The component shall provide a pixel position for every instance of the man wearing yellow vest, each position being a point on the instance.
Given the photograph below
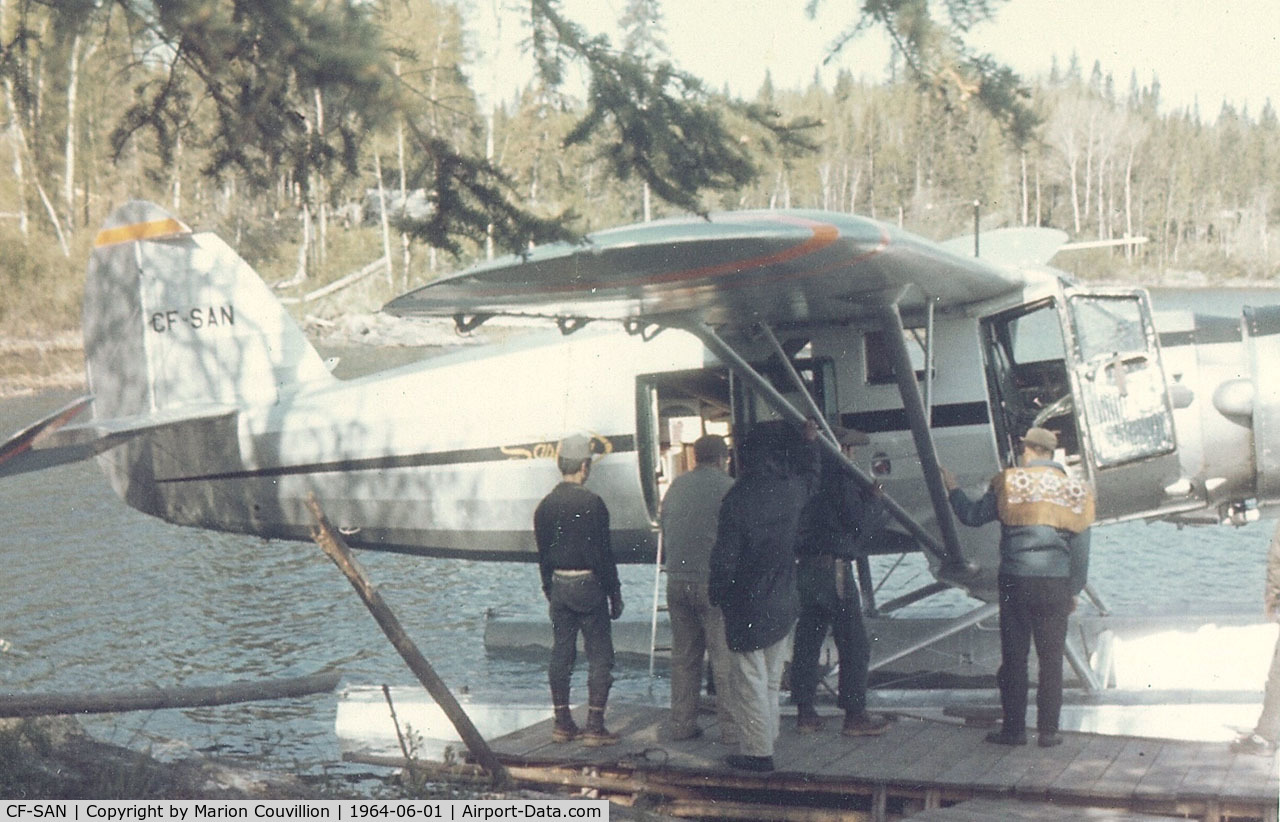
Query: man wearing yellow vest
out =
(1044, 558)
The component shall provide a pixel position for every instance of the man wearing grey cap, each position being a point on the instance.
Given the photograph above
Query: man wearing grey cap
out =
(1044, 517)
(580, 581)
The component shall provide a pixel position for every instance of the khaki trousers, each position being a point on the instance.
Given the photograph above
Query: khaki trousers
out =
(697, 631)
(755, 679)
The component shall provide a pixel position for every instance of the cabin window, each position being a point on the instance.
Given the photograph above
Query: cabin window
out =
(1107, 326)
(877, 359)
(818, 376)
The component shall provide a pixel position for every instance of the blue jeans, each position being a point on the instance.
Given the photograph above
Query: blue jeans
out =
(821, 606)
(580, 604)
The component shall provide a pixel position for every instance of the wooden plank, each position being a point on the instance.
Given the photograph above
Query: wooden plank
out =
(1015, 810)
(1251, 777)
(526, 740)
(950, 744)
(1121, 778)
(1205, 776)
(1049, 766)
(826, 752)
(883, 758)
(983, 766)
(1096, 755)
(1164, 778)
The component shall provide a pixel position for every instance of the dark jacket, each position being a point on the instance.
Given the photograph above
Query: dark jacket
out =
(571, 527)
(753, 578)
(841, 519)
(1029, 550)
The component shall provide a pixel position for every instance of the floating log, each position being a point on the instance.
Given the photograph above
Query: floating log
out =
(335, 547)
(150, 699)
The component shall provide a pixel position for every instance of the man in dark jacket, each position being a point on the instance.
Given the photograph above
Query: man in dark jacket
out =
(580, 581)
(838, 525)
(1044, 559)
(753, 578)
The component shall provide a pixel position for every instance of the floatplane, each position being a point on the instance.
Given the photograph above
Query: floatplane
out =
(210, 408)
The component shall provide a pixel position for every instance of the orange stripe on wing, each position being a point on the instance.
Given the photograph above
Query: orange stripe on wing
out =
(821, 236)
(139, 231)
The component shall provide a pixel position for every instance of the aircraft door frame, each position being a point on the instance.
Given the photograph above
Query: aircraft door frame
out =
(1028, 376)
(1122, 406)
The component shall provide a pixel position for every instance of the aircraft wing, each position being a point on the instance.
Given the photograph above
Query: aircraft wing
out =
(771, 266)
(51, 441)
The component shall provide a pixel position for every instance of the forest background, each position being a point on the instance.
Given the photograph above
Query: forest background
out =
(287, 125)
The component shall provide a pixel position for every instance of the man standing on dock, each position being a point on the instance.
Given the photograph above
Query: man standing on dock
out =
(688, 520)
(753, 578)
(837, 525)
(580, 581)
(1045, 517)
(1267, 732)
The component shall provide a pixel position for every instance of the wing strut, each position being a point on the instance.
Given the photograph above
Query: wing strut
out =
(813, 409)
(891, 322)
(779, 403)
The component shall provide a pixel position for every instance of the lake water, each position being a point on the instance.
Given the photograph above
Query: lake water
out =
(97, 597)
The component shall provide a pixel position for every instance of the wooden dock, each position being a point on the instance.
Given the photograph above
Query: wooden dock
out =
(924, 769)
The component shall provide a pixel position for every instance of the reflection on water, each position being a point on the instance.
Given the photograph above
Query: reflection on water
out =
(97, 596)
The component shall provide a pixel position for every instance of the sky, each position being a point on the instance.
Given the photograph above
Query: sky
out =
(1203, 53)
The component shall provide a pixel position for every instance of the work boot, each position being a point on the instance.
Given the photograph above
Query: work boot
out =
(564, 729)
(864, 724)
(595, 735)
(807, 719)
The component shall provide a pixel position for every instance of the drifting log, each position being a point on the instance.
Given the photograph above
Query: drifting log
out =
(150, 699)
(335, 547)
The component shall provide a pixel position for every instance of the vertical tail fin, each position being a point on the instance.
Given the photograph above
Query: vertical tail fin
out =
(173, 319)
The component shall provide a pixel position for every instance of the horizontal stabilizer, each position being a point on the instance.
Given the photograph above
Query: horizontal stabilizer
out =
(52, 442)
(1011, 246)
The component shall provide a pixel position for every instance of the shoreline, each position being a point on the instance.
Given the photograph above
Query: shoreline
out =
(56, 362)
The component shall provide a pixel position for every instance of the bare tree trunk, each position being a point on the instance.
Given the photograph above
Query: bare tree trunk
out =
(320, 191)
(17, 145)
(1128, 199)
(488, 155)
(69, 150)
(53, 219)
(1102, 211)
(1039, 214)
(175, 184)
(1088, 166)
(406, 253)
(1074, 166)
(300, 274)
(1026, 193)
(382, 208)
